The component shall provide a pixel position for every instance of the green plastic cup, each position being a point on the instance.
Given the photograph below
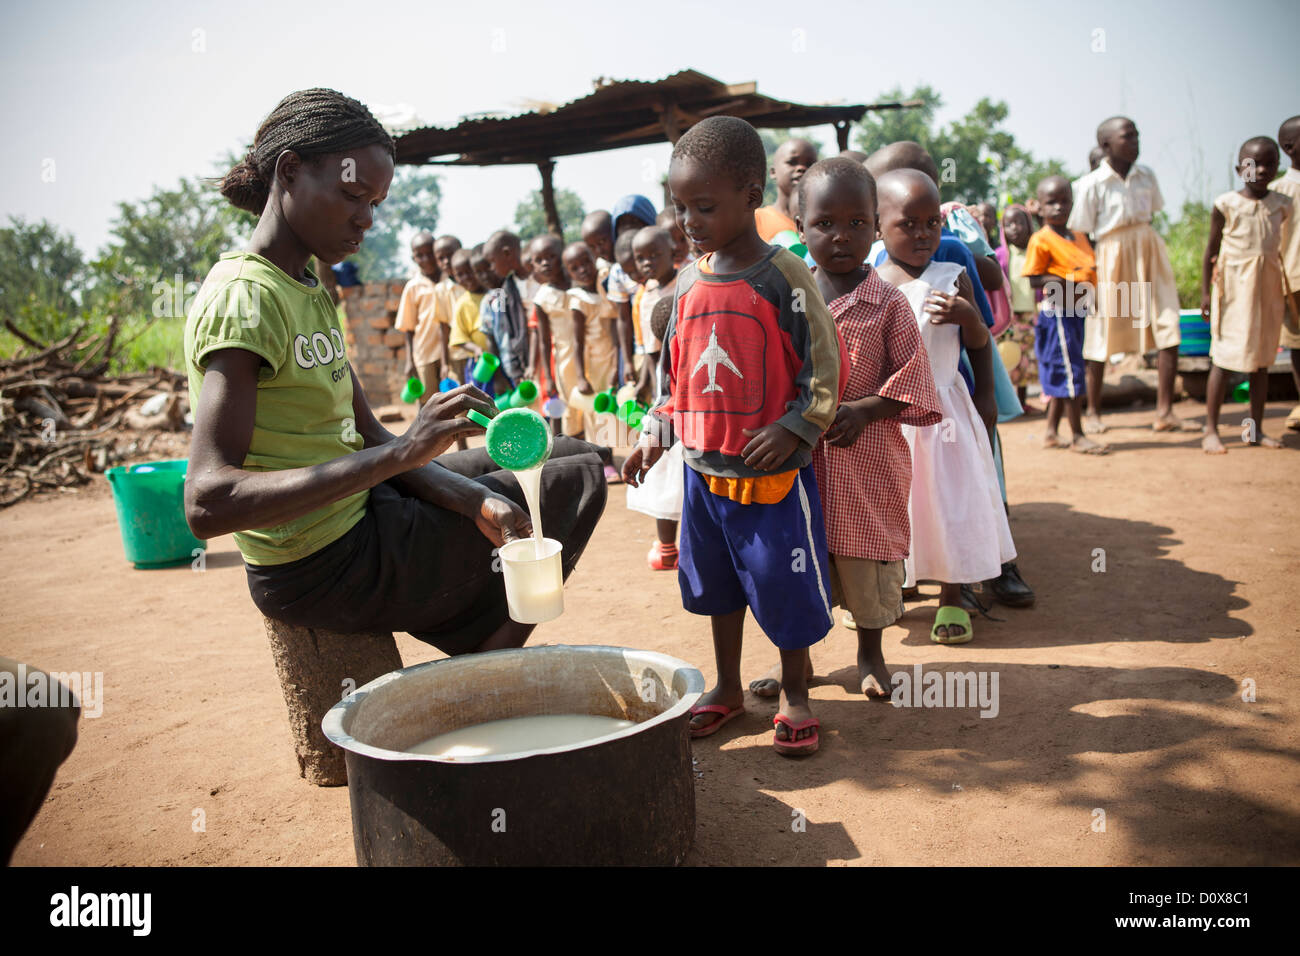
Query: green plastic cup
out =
(628, 409)
(486, 367)
(1241, 393)
(517, 439)
(502, 401)
(635, 418)
(525, 394)
(413, 390)
(605, 402)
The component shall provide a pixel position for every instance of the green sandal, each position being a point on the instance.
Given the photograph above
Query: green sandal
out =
(947, 616)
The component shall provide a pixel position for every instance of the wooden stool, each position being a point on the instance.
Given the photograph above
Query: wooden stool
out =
(313, 665)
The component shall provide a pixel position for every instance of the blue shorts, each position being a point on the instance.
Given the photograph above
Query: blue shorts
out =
(1058, 345)
(770, 558)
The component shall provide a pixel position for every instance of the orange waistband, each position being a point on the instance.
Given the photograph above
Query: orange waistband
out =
(765, 490)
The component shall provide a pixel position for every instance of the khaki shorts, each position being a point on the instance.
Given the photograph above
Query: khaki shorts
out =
(870, 590)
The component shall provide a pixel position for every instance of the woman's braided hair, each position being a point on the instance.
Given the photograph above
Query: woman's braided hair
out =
(311, 123)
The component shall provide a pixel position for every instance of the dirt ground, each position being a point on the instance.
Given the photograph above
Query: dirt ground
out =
(1121, 691)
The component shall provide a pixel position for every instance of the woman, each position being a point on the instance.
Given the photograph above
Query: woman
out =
(342, 524)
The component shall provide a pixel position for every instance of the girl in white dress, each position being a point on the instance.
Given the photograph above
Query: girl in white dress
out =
(959, 527)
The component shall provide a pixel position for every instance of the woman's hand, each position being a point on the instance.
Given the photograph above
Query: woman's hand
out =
(409, 371)
(502, 521)
(440, 422)
(584, 386)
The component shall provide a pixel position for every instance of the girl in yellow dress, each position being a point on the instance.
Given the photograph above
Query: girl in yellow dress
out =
(1243, 260)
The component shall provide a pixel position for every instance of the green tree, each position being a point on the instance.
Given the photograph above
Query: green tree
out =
(174, 232)
(412, 205)
(530, 217)
(42, 274)
(1185, 240)
(978, 159)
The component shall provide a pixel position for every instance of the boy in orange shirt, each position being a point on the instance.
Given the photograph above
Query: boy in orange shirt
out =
(1060, 262)
(790, 161)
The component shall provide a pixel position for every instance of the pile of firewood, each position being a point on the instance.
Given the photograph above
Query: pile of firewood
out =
(63, 419)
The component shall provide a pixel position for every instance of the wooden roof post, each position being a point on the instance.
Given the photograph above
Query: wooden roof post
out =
(547, 167)
(842, 134)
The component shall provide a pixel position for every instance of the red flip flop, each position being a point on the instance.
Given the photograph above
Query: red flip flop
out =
(726, 712)
(792, 747)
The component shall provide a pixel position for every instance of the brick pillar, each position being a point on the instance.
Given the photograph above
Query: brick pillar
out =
(376, 349)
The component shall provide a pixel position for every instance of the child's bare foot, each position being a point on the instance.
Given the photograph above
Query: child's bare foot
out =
(1093, 425)
(1212, 445)
(731, 699)
(1169, 422)
(1086, 446)
(769, 685)
(1266, 441)
(874, 677)
(1052, 440)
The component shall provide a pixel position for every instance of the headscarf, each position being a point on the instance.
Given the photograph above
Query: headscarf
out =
(636, 205)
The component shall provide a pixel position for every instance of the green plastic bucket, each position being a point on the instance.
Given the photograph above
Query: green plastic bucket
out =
(150, 502)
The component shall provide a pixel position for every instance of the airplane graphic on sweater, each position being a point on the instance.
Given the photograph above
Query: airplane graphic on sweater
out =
(713, 356)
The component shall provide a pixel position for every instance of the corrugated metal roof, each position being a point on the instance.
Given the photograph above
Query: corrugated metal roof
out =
(615, 114)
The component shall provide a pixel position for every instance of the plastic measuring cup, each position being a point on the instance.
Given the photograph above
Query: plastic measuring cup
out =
(630, 408)
(534, 579)
(554, 407)
(517, 439)
(585, 403)
(486, 367)
(524, 394)
(413, 390)
(605, 402)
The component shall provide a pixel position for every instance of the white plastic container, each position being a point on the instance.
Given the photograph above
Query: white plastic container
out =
(534, 583)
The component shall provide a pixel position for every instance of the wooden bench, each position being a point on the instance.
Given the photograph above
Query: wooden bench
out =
(314, 665)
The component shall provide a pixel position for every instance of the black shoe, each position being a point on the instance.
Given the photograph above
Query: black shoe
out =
(1010, 588)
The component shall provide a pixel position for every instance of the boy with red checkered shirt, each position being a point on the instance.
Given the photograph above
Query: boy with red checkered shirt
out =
(862, 463)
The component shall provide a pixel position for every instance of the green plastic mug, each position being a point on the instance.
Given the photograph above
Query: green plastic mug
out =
(605, 402)
(413, 390)
(517, 439)
(524, 394)
(486, 367)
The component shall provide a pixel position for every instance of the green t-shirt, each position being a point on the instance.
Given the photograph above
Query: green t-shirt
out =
(304, 392)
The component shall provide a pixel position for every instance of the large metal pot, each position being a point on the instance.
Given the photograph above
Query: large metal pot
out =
(624, 798)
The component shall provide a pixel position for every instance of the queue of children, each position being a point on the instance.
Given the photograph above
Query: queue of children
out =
(823, 430)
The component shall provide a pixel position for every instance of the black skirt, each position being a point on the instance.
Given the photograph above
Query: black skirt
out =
(412, 566)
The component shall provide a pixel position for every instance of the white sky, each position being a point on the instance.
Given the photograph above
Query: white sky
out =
(117, 97)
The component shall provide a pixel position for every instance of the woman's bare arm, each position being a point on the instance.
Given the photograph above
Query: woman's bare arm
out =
(221, 496)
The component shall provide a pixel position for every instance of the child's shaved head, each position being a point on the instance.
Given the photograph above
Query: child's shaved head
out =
(727, 144)
(904, 154)
(839, 170)
(1258, 147)
(900, 186)
(501, 239)
(421, 238)
(1108, 127)
(1288, 134)
(659, 317)
(643, 238)
(1050, 184)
